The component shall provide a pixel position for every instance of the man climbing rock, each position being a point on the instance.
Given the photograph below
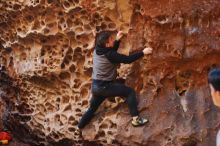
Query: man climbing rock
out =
(214, 84)
(105, 60)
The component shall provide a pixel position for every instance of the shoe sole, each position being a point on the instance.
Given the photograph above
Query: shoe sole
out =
(140, 124)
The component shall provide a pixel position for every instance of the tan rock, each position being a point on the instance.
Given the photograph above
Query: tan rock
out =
(46, 65)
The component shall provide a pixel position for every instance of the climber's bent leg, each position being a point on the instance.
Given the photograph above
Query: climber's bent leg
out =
(116, 89)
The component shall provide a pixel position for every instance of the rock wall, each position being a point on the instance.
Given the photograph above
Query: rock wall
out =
(46, 64)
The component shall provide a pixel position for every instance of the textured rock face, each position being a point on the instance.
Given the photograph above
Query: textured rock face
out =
(46, 64)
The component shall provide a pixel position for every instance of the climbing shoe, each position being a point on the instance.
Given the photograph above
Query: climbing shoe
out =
(139, 122)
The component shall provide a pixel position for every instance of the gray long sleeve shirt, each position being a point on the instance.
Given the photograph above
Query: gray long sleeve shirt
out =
(105, 62)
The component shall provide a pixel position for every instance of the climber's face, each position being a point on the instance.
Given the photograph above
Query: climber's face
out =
(110, 42)
(215, 95)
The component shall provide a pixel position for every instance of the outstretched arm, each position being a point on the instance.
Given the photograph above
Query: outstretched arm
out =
(115, 57)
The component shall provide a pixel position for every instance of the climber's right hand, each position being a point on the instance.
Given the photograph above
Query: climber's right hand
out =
(119, 35)
(147, 50)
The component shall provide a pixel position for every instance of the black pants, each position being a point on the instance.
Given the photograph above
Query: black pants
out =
(103, 90)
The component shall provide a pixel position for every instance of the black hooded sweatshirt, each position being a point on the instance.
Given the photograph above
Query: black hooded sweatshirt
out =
(114, 57)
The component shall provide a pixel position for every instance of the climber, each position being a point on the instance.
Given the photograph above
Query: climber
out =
(105, 61)
(214, 84)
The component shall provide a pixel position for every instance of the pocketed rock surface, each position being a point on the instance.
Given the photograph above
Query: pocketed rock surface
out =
(46, 49)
